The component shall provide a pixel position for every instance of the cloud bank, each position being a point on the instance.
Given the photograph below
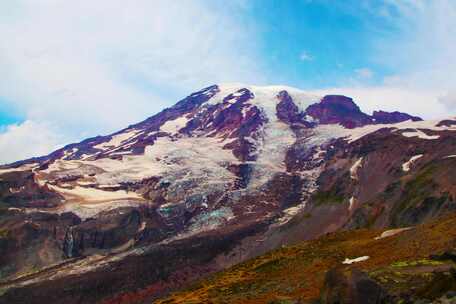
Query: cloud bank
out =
(20, 141)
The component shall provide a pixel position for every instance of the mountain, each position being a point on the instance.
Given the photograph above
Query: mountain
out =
(228, 173)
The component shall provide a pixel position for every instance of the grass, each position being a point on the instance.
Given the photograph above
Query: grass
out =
(297, 272)
(418, 192)
(328, 197)
(421, 262)
(4, 233)
(418, 189)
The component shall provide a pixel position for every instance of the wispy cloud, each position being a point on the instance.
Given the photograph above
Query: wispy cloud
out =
(419, 50)
(305, 56)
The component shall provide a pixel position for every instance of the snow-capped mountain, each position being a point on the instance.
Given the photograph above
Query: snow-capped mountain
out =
(227, 173)
(222, 139)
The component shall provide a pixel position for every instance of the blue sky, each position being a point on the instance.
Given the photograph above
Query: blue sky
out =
(73, 70)
(7, 117)
(315, 44)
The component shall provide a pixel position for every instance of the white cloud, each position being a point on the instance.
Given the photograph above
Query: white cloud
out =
(92, 67)
(305, 56)
(28, 139)
(449, 100)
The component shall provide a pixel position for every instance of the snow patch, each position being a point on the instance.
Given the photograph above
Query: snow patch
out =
(352, 203)
(117, 140)
(224, 90)
(68, 153)
(173, 126)
(391, 232)
(85, 182)
(18, 169)
(352, 135)
(420, 134)
(121, 153)
(92, 195)
(85, 211)
(290, 213)
(354, 169)
(348, 261)
(245, 110)
(142, 227)
(406, 166)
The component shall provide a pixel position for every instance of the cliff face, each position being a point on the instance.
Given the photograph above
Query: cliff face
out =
(226, 174)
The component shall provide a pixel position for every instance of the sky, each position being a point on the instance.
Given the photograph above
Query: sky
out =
(72, 70)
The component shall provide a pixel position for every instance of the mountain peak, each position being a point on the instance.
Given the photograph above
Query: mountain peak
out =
(341, 101)
(333, 109)
(339, 109)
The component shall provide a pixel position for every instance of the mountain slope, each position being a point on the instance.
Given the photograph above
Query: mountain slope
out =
(226, 174)
(403, 264)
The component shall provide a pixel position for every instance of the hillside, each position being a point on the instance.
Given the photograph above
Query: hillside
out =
(407, 266)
